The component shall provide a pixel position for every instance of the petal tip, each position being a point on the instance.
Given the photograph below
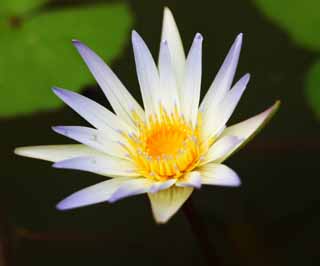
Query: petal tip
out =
(19, 151)
(271, 110)
(59, 92)
(167, 10)
(134, 35)
(79, 45)
(75, 41)
(246, 78)
(56, 90)
(199, 37)
(57, 129)
(62, 206)
(239, 39)
(236, 182)
(56, 165)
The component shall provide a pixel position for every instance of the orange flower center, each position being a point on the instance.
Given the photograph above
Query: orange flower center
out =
(165, 147)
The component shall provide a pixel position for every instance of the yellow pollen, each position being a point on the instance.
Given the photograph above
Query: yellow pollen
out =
(166, 146)
(165, 141)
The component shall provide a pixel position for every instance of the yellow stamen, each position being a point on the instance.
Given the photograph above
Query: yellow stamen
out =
(166, 146)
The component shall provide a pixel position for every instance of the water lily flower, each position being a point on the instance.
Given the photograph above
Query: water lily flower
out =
(168, 148)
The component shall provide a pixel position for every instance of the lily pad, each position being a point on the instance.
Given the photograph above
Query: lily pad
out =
(313, 88)
(299, 18)
(19, 7)
(36, 53)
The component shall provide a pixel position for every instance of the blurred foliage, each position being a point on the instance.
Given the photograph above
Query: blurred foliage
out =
(36, 49)
(19, 7)
(313, 87)
(301, 20)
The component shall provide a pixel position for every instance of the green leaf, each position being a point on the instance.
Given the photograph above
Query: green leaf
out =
(299, 18)
(38, 54)
(313, 88)
(19, 7)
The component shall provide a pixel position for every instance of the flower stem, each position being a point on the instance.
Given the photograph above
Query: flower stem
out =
(200, 232)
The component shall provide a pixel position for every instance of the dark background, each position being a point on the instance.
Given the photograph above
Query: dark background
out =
(273, 219)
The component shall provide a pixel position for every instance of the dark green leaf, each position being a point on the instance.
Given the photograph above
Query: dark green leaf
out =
(299, 18)
(38, 54)
(313, 88)
(19, 7)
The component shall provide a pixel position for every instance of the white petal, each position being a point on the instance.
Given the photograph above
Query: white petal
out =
(120, 99)
(171, 34)
(220, 148)
(219, 174)
(166, 203)
(215, 118)
(100, 192)
(190, 94)
(168, 93)
(102, 165)
(248, 128)
(94, 138)
(161, 185)
(94, 113)
(147, 72)
(191, 179)
(223, 80)
(54, 153)
(131, 188)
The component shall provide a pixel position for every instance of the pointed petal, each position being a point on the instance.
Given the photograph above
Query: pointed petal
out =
(190, 95)
(94, 113)
(54, 153)
(171, 34)
(94, 138)
(220, 148)
(166, 203)
(247, 129)
(147, 72)
(120, 99)
(100, 192)
(223, 80)
(191, 179)
(131, 188)
(216, 117)
(101, 165)
(219, 174)
(168, 94)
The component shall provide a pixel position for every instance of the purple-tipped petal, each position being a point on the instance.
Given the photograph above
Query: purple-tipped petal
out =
(94, 138)
(221, 148)
(100, 192)
(168, 95)
(94, 113)
(219, 175)
(216, 118)
(147, 72)
(102, 165)
(131, 188)
(170, 33)
(223, 80)
(190, 94)
(120, 99)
